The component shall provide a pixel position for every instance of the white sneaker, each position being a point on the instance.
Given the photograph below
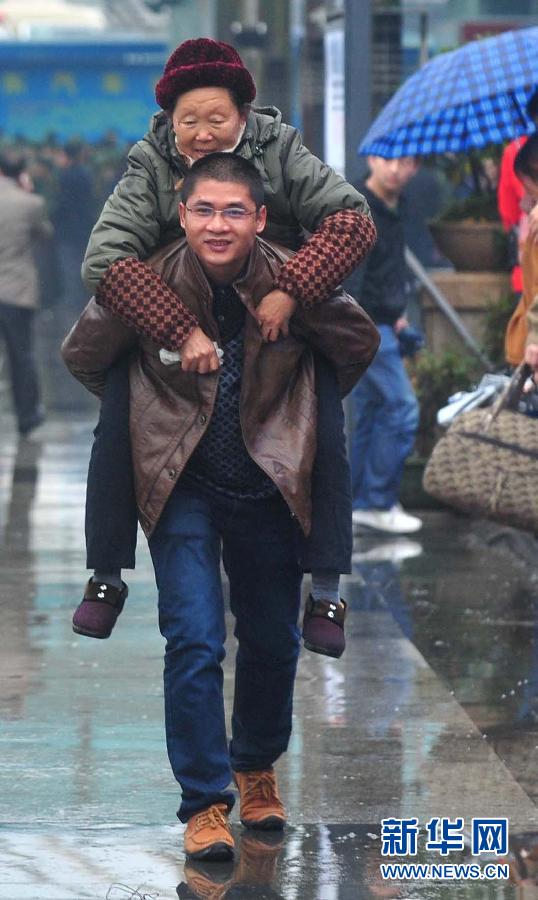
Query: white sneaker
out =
(392, 521)
(394, 551)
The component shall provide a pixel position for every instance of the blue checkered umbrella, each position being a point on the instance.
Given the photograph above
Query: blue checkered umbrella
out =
(471, 97)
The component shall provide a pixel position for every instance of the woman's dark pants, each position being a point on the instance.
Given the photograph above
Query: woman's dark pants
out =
(111, 517)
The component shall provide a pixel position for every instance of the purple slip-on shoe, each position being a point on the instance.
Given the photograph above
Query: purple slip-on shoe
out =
(96, 615)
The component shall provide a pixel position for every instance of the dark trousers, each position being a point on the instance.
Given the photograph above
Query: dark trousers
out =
(111, 516)
(259, 558)
(16, 326)
(111, 520)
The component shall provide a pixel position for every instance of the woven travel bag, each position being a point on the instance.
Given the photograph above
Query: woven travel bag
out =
(487, 462)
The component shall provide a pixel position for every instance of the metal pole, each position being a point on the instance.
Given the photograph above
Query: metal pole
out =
(455, 320)
(358, 81)
(296, 35)
(423, 58)
(192, 19)
(251, 13)
(250, 16)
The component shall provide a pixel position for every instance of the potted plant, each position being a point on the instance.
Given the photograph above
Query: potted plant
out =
(469, 232)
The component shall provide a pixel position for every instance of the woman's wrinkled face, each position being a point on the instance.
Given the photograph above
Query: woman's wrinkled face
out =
(206, 120)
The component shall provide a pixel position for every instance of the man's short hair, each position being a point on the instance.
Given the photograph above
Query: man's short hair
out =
(224, 167)
(526, 161)
(11, 166)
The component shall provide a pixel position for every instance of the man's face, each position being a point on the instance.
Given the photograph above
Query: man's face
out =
(221, 224)
(391, 175)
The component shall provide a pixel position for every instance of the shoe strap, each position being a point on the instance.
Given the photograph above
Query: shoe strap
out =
(327, 609)
(100, 592)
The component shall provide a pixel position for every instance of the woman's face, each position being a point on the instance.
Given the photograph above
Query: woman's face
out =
(206, 120)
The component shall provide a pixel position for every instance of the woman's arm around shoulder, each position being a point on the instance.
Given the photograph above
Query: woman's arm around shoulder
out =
(129, 222)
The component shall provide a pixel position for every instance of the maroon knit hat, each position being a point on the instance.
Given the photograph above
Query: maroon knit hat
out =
(204, 63)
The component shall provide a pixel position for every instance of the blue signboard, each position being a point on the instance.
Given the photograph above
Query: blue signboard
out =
(78, 90)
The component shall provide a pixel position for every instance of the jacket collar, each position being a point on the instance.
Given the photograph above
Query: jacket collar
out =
(252, 284)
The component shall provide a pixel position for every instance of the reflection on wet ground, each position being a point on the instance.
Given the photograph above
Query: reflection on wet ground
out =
(314, 862)
(473, 614)
(432, 711)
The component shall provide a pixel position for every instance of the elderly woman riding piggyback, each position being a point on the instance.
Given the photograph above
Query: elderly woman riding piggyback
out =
(205, 94)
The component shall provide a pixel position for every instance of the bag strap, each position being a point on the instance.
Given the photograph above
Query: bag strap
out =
(511, 396)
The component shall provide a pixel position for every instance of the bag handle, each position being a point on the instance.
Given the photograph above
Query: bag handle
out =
(511, 396)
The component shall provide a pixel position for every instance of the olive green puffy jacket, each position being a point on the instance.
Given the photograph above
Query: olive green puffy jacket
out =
(142, 213)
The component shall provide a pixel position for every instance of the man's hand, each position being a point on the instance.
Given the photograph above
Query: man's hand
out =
(533, 223)
(400, 324)
(274, 313)
(198, 353)
(531, 356)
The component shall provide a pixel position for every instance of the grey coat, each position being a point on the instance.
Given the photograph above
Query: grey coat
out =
(23, 219)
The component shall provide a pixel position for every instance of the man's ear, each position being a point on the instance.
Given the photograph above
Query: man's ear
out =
(261, 219)
(182, 214)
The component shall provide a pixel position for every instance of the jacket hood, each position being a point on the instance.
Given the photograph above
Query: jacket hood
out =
(161, 137)
(263, 125)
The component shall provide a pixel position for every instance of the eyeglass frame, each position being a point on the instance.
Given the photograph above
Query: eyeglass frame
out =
(240, 214)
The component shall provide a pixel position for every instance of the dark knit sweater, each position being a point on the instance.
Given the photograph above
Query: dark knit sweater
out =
(381, 283)
(221, 461)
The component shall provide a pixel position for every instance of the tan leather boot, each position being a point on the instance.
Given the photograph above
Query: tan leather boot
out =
(208, 834)
(261, 806)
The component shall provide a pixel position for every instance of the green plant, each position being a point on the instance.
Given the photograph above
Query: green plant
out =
(496, 319)
(478, 207)
(435, 377)
(473, 177)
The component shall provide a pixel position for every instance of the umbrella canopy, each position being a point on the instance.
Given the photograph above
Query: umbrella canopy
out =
(467, 98)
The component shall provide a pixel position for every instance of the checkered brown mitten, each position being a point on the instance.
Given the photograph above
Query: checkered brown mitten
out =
(330, 254)
(134, 292)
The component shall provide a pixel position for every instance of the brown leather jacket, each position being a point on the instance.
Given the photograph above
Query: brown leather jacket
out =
(170, 409)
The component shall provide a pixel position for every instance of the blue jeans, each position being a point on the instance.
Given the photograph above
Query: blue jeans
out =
(260, 560)
(384, 424)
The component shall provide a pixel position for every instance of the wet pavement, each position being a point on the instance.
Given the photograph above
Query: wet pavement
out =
(431, 712)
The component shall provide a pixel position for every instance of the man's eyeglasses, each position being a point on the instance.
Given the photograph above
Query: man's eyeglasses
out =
(231, 213)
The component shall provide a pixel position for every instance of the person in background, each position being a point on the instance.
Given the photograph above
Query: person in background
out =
(384, 408)
(510, 194)
(74, 216)
(521, 343)
(23, 221)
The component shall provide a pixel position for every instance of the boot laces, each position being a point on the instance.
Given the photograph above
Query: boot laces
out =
(261, 785)
(211, 818)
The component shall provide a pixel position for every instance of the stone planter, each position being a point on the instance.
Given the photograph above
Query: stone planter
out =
(470, 293)
(472, 246)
